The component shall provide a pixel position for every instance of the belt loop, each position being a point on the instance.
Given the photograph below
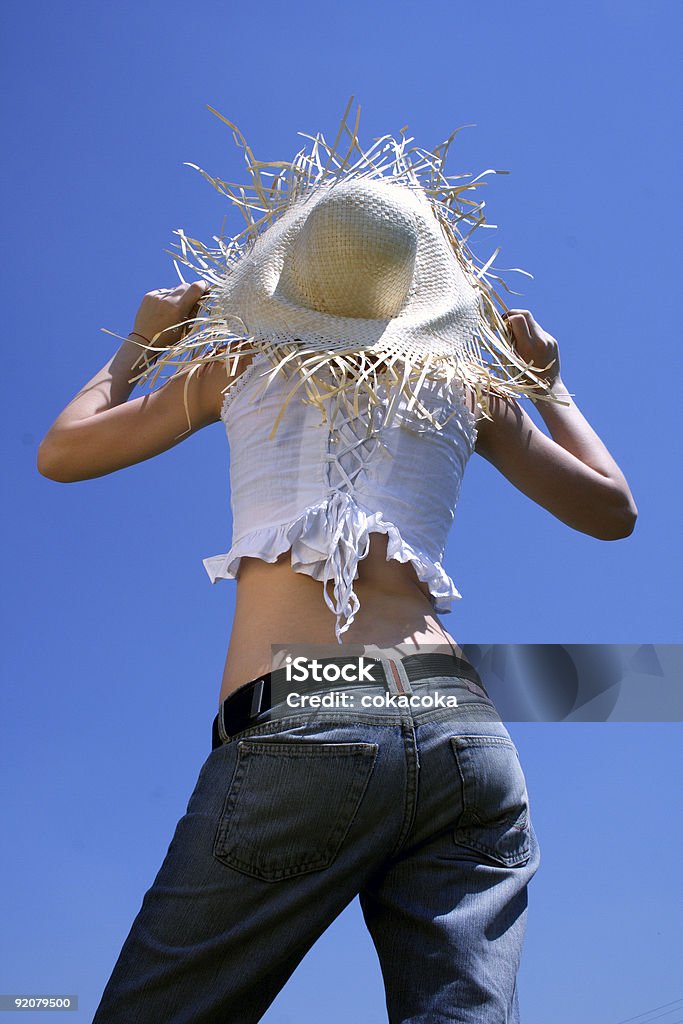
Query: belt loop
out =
(256, 698)
(396, 676)
(222, 731)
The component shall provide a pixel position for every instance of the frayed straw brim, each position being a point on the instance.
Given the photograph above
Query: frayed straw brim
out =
(487, 360)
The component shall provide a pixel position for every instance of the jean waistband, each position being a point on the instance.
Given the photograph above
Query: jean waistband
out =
(397, 686)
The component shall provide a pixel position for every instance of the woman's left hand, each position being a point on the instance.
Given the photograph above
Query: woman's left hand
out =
(534, 344)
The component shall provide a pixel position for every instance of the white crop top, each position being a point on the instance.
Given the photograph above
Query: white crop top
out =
(322, 492)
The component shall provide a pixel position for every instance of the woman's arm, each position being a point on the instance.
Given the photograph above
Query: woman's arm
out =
(100, 431)
(571, 473)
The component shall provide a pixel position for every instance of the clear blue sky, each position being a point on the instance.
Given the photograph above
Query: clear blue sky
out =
(115, 638)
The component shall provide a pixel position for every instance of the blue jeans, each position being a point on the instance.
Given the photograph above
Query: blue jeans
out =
(421, 812)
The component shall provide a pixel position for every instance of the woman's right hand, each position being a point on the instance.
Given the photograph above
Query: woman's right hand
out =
(166, 308)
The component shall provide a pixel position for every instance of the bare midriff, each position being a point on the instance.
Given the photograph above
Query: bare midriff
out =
(276, 605)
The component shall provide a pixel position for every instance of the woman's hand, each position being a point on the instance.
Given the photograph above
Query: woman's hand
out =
(166, 308)
(534, 344)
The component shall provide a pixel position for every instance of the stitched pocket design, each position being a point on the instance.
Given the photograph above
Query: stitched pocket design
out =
(290, 805)
(495, 818)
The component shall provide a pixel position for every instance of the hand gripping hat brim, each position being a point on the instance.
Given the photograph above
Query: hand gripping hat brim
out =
(354, 264)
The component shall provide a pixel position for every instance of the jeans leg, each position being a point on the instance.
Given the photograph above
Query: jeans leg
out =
(447, 914)
(280, 832)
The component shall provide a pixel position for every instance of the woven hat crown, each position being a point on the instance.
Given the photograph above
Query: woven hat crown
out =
(355, 254)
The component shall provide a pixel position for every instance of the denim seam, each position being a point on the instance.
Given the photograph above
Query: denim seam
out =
(412, 769)
(319, 717)
(436, 714)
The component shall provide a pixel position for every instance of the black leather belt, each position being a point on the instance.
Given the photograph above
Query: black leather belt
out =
(242, 707)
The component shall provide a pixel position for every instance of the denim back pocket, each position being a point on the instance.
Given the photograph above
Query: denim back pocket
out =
(495, 818)
(290, 805)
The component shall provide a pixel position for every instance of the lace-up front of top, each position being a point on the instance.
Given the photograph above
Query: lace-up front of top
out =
(321, 489)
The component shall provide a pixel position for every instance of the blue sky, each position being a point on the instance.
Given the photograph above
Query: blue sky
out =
(115, 637)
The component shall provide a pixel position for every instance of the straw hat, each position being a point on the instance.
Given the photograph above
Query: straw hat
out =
(353, 260)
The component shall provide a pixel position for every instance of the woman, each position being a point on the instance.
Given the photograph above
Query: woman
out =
(420, 809)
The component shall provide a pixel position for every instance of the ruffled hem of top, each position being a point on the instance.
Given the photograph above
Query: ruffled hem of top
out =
(328, 540)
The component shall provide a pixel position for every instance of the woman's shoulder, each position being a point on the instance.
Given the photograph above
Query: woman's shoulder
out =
(501, 413)
(215, 375)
